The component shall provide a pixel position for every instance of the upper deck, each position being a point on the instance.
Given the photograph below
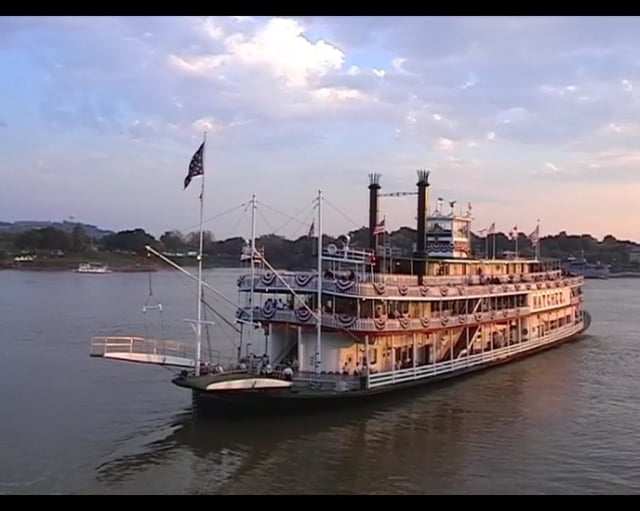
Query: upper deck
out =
(351, 273)
(441, 264)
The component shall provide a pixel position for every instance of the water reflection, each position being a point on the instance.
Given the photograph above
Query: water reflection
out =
(422, 439)
(497, 431)
(564, 421)
(227, 447)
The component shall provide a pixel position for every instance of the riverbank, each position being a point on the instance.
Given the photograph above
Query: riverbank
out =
(115, 262)
(625, 275)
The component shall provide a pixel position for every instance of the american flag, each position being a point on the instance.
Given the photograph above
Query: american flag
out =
(379, 228)
(489, 230)
(196, 167)
(534, 237)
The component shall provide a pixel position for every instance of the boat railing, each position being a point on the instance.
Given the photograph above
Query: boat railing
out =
(386, 323)
(456, 280)
(326, 381)
(413, 373)
(104, 346)
(365, 284)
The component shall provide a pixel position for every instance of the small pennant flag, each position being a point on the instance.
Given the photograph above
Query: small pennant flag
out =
(196, 167)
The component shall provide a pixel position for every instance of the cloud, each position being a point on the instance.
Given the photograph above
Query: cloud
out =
(317, 101)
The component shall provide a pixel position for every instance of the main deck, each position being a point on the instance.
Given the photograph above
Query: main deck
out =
(307, 389)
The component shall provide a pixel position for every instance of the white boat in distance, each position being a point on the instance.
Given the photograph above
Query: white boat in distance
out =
(99, 268)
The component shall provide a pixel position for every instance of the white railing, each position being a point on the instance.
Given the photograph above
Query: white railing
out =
(104, 346)
(406, 286)
(385, 324)
(426, 371)
(335, 382)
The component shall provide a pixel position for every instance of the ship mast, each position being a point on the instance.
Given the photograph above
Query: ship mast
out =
(199, 319)
(253, 266)
(318, 357)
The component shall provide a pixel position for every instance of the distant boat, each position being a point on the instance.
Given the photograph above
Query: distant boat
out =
(99, 268)
(582, 267)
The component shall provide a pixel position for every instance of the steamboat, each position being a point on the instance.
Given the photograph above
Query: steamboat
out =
(363, 323)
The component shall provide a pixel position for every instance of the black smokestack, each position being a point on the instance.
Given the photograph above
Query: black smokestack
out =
(374, 186)
(421, 254)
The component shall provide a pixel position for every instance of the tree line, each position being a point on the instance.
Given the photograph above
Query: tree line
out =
(297, 254)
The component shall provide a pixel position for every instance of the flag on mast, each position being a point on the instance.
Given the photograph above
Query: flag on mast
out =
(196, 167)
(534, 237)
(380, 228)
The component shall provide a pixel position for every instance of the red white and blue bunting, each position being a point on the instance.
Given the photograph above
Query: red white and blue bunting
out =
(303, 315)
(302, 280)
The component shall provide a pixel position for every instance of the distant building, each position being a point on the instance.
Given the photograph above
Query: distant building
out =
(634, 256)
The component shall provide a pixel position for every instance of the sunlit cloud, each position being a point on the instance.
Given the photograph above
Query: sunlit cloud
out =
(118, 105)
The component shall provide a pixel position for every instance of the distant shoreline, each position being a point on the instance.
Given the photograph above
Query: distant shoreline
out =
(115, 262)
(118, 264)
(133, 265)
(59, 269)
(625, 275)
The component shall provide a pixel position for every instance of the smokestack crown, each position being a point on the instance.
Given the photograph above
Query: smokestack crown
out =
(423, 177)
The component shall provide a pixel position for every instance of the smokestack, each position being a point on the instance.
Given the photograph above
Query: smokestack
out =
(374, 186)
(421, 254)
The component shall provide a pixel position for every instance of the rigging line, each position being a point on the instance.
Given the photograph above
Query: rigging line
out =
(287, 215)
(357, 226)
(226, 334)
(190, 275)
(186, 285)
(206, 328)
(230, 210)
(307, 222)
(225, 320)
(266, 221)
(229, 337)
(235, 227)
(219, 315)
(295, 219)
(171, 369)
(215, 217)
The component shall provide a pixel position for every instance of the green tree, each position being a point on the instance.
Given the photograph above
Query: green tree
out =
(48, 238)
(79, 239)
(173, 241)
(128, 241)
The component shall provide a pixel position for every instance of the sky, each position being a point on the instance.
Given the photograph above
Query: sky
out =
(527, 119)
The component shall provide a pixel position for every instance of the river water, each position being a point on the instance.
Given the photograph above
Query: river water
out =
(564, 421)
